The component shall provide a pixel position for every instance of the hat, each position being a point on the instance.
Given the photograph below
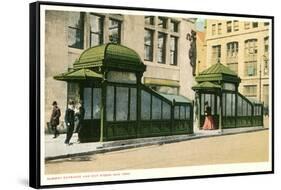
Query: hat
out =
(54, 103)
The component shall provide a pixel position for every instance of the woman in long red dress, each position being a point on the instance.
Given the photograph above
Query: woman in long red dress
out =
(209, 123)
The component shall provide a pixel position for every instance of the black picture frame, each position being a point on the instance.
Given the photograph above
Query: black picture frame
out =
(35, 94)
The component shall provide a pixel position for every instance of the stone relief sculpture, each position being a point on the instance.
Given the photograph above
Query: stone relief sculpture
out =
(192, 50)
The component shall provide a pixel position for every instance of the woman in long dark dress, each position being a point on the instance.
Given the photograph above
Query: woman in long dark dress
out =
(209, 123)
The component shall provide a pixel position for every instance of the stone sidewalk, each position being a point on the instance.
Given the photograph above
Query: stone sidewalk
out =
(56, 149)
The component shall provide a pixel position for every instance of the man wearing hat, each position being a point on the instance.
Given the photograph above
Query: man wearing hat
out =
(69, 121)
(55, 119)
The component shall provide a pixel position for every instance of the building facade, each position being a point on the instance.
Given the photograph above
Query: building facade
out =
(244, 47)
(201, 49)
(160, 41)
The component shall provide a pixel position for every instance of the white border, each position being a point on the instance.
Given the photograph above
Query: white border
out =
(148, 173)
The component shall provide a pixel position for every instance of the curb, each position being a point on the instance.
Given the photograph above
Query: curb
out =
(130, 146)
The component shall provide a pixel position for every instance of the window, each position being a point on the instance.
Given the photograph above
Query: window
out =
(114, 31)
(177, 112)
(266, 46)
(162, 22)
(229, 86)
(250, 90)
(76, 30)
(133, 104)
(92, 100)
(247, 25)
(265, 57)
(182, 112)
(251, 51)
(73, 91)
(232, 56)
(121, 103)
(149, 20)
(229, 26)
(213, 29)
(148, 45)
(187, 112)
(96, 103)
(173, 50)
(174, 26)
(232, 49)
(236, 25)
(110, 103)
(244, 108)
(145, 105)
(229, 104)
(219, 28)
(257, 109)
(161, 48)
(255, 24)
(166, 110)
(216, 54)
(96, 30)
(122, 77)
(166, 40)
(156, 108)
(210, 99)
(87, 102)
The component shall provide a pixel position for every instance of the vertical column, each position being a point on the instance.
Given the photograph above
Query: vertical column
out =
(236, 103)
(191, 117)
(105, 28)
(172, 116)
(86, 30)
(253, 107)
(139, 76)
(155, 41)
(103, 106)
(262, 106)
(260, 54)
(167, 45)
(220, 112)
(215, 108)
(199, 110)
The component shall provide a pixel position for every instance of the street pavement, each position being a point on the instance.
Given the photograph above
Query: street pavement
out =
(220, 149)
(56, 149)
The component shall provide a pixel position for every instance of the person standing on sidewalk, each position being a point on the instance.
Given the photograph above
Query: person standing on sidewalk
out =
(80, 116)
(209, 123)
(69, 121)
(55, 119)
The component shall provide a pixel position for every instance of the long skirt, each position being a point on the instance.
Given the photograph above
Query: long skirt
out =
(209, 123)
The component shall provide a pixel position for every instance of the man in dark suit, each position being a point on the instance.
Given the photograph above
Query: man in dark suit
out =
(69, 121)
(55, 119)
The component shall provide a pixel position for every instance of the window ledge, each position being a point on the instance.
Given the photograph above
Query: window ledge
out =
(161, 65)
(75, 50)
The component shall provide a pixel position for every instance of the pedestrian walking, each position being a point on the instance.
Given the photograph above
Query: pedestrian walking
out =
(69, 121)
(55, 119)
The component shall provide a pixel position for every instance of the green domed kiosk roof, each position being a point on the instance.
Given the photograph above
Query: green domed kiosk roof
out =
(218, 72)
(112, 56)
(218, 69)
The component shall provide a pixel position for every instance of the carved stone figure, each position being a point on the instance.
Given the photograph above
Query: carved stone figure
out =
(192, 51)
